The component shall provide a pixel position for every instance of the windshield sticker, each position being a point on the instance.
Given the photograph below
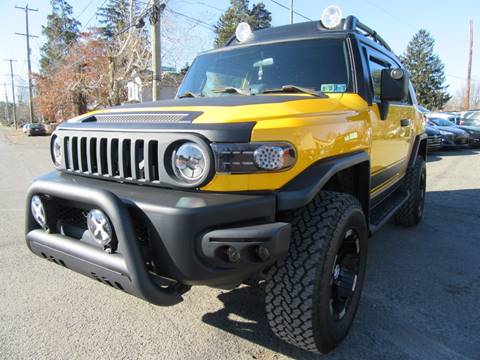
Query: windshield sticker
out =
(333, 88)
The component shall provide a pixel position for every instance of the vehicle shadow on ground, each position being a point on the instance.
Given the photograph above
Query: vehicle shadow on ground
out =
(392, 321)
(243, 315)
(439, 154)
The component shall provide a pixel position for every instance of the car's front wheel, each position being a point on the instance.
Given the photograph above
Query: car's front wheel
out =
(312, 295)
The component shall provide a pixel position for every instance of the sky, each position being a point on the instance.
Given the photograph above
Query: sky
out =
(395, 21)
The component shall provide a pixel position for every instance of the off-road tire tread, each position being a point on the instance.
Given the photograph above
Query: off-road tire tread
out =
(406, 215)
(291, 282)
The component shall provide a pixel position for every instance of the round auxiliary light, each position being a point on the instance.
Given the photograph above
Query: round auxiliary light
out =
(99, 226)
(331, 17)
(57, 151)
(38, 211)
(243, 32)
(189, 162)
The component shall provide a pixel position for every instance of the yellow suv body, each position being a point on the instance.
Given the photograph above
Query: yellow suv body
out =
(279, 157)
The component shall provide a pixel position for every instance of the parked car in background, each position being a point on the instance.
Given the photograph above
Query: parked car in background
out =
(453, 116)
(472, 126)
(452, 135)
(25, 128)
(423, 110)
(36, 129)
(434, 138)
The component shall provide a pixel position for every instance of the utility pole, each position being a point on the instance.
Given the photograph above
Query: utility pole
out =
(13, 92)
(7, 111)
(28, 36)
(291, 11)
(466, 102)
(155, 16)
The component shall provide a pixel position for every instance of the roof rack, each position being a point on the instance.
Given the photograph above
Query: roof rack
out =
(353, 24)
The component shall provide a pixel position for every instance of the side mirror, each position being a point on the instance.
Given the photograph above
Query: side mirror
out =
(394, 85)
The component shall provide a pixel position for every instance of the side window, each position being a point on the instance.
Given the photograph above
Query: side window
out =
(376, 66)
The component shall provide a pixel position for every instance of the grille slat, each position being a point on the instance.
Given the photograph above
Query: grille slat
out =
(89, 157)
(70, 154)
(133, 159)
(109, 158)
(146, 160)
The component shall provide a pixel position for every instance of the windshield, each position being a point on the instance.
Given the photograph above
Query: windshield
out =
(319, 65)
(471, 115)
(441, 122)
(471, 122)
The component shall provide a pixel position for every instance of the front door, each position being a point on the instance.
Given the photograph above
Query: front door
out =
(391, 136)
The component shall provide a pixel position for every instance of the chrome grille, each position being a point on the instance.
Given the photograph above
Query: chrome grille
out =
(124, 159)
(434, 140)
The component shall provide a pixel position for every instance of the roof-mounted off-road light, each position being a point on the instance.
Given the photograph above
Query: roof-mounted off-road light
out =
(243, 32)
(331, 17)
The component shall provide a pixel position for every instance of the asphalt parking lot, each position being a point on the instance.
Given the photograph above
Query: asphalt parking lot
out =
(421, 298)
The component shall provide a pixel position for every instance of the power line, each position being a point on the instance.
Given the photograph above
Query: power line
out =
(192, 19)
(287, 8)
(390, 14)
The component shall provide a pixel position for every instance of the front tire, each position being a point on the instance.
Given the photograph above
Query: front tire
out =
(313, 294)
(411, 213)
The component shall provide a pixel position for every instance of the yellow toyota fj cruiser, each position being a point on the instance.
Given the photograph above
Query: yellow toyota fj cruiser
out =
(283, 152)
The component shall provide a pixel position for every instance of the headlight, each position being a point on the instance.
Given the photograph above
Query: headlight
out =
(446, 133)
(253, 157)
(57, 151)
(190, 163)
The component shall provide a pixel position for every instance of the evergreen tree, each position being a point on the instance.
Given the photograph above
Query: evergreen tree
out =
(114, 18)
(258, 18)
(61, 31)
(426, 71)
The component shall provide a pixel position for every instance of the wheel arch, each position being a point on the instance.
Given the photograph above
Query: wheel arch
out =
(349, 173)
(419, 148)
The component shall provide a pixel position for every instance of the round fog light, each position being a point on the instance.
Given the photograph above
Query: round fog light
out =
(38, 211)
(99, 226)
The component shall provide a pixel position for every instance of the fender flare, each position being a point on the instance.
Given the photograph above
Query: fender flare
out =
(303, 188)
(419, 146)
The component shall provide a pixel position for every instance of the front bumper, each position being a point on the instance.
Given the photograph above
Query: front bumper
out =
(185, 235)
(474, 139)
(458, 141)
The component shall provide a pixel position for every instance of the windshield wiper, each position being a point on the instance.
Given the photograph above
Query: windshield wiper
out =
(231, 90)
(189, 94)
(295, 89)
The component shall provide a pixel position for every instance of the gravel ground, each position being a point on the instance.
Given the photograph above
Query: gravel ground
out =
(420, 301)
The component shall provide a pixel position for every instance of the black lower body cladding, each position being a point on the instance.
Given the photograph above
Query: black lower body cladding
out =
(166, 240)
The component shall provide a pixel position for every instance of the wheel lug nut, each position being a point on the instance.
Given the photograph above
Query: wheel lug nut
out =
(232, 254)
(262, 252)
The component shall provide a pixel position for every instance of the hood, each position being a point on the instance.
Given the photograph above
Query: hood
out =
(229, 109)
(453, 129)
(430, 130)
(470, 128)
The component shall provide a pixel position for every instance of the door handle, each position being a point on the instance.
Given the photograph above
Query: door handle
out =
(405, 122)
